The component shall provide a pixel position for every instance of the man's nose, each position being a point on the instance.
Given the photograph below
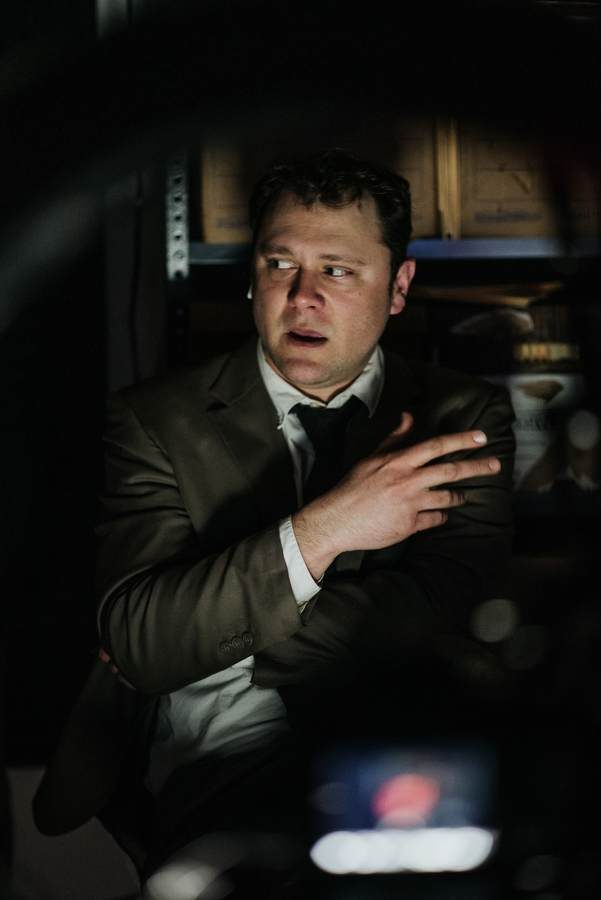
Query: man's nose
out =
(304, 290)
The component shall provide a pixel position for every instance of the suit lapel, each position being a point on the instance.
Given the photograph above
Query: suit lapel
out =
(247, 422)
(398, 394)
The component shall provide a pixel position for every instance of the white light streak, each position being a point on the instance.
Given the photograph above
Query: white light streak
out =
(403, 850)
(180, 881)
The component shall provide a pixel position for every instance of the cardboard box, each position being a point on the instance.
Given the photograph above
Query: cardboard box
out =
(448, 194)
(224, 195)
(229, 170)
(466, 181)
(506, 192)
(415, 159)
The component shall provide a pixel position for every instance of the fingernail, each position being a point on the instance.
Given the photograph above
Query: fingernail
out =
(479, 437)
(494, 465)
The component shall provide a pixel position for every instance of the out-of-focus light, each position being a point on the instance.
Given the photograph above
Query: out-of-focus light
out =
(494, 620)
(405, 800)
(526, 648)
(183, 881)
(537, 873)
(583, 429)
(427, 850)
(448, 849)
(382, 853)
(198, 871)
(339, 852)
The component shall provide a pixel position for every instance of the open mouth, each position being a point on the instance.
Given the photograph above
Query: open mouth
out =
(308, 338)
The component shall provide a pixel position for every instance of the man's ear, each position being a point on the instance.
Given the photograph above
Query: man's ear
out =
(400, 287)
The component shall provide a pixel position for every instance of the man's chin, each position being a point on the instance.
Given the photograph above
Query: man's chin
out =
(302, 374)
(313, 380)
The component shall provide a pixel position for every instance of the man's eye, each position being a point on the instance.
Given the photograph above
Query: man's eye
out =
(280, 264)
(336, 271)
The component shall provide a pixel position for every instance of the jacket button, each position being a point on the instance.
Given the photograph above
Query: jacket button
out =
(247, 638)
(225, 647)
(236, 643)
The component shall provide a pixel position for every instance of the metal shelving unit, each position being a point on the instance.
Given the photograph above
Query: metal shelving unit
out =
(432, 248)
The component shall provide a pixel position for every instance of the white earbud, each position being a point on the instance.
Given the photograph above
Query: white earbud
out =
(249, 293)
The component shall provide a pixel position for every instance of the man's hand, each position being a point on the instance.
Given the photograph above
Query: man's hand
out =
(387, 497)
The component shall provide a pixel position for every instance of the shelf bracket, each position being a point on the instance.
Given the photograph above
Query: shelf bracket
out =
(176, 204)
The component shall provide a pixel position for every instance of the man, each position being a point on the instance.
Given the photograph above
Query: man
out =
(250, 555)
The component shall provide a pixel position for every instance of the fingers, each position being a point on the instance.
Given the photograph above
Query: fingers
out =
(433, 511)
(421, 454)
(442, 499)
(447, 473)
(429, 519)
(405, 424)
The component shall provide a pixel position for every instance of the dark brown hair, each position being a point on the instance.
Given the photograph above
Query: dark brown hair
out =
(337, 178)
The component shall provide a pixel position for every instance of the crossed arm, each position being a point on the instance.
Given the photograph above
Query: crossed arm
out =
(172, 613)
(431, 560)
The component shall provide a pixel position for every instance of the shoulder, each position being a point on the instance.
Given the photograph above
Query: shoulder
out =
(192, 382)
(191, 389)
(448, 396)
(442, 382)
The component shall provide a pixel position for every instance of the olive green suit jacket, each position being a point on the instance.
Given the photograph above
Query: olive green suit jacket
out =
(191, 576)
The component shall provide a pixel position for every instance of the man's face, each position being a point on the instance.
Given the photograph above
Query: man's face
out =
(321, 291)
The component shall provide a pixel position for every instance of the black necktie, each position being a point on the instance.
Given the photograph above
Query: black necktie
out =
(326, 429)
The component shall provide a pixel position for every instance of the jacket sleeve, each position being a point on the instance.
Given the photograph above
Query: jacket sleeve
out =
(172, 611)
(404, 598)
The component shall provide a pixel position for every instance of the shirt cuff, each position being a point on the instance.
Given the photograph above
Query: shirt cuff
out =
(303, 585)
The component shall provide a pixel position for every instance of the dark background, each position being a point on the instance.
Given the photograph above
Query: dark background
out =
(74, 337)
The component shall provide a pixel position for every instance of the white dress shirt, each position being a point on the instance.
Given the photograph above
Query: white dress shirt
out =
(224, 713)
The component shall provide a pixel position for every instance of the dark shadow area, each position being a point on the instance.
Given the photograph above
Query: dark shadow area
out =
(51, 360)
(83, 116)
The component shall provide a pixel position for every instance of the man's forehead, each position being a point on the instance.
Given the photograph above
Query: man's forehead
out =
(289, 213)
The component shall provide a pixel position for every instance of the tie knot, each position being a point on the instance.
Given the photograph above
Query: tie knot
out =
(326, 427)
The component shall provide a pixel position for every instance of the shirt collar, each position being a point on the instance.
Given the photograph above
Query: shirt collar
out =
(367, 386)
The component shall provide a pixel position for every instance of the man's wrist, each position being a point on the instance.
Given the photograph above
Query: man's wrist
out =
(304, 587)
(315, 541)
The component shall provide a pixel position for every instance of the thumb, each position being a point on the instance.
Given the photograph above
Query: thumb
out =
(405, 425)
